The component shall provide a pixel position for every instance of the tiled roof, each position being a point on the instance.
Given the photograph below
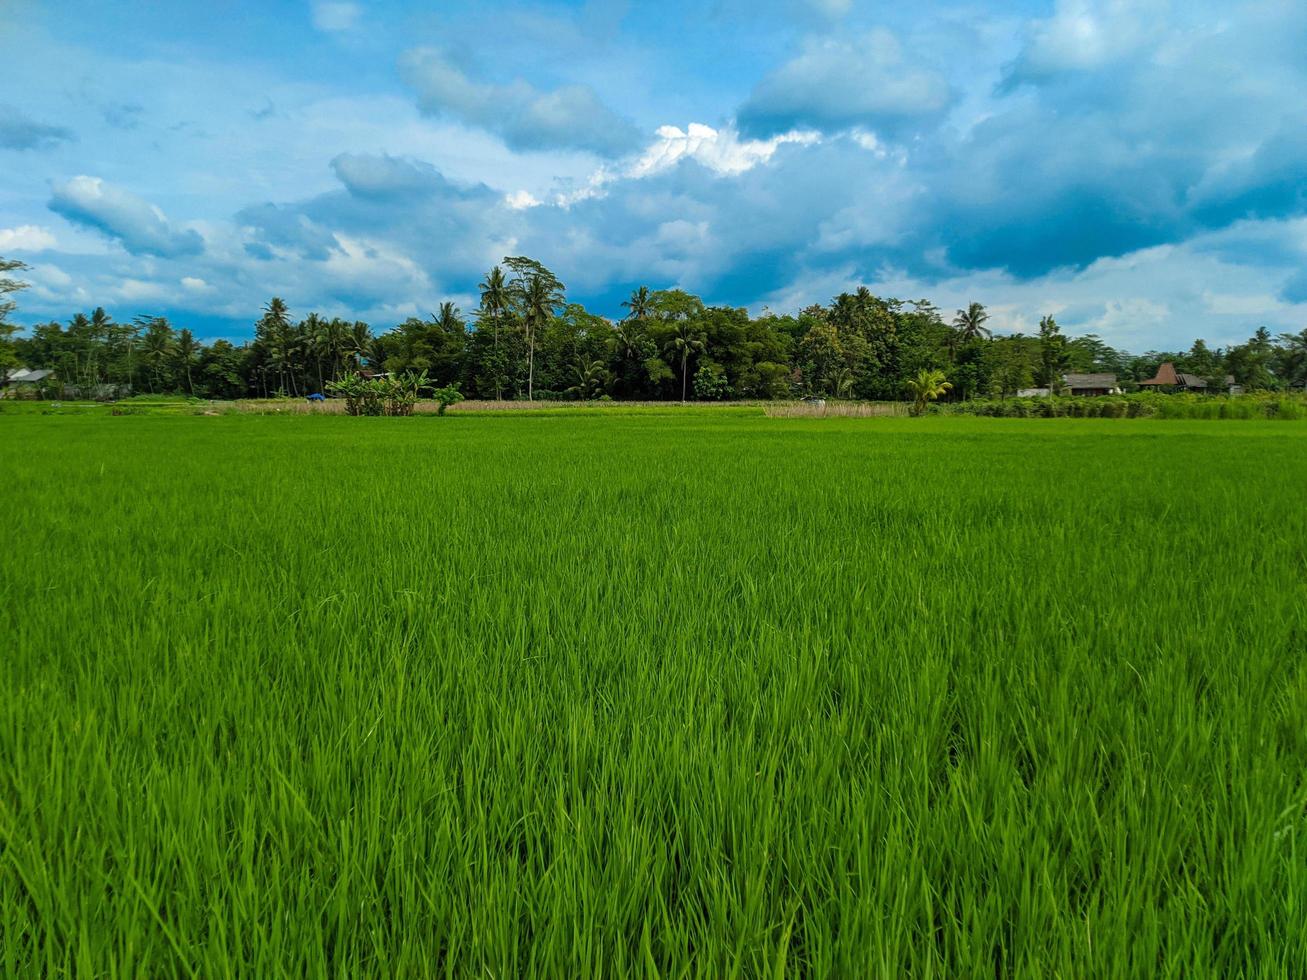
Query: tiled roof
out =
(1090, 380)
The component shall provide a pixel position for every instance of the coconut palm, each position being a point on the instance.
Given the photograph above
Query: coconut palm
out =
(684, 343)
(335, 343)
(494, 297)
(539, 300)
(313, 331)
(970, 323)
(640, 306)
(590, 379)
(1293, 357)
(448, 319)
(359, 343)
(927, 386)
(281, 340)
(625, 339)
(157, 347)
(536, 293)
(187, 351)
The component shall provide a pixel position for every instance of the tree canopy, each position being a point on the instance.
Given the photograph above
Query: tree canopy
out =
(525, 339)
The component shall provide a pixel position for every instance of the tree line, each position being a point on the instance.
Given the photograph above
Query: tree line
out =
(526, 340)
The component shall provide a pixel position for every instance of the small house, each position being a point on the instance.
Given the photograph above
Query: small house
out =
(1168, 378)
(22, 383)
(1091, 384)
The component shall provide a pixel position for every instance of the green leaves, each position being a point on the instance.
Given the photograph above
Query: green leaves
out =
(385, 395)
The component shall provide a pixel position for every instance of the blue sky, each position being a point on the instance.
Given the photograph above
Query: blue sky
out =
(1136, 167)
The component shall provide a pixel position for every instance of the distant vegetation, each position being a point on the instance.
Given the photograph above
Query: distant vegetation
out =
(525, 340)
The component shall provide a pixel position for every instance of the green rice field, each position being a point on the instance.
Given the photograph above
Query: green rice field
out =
(652, 693)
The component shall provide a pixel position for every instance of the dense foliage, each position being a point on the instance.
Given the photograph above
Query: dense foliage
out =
(653, 693)
(1257, 405)
(525, 340)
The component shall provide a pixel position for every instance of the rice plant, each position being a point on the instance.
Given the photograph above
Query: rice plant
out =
(655, 694)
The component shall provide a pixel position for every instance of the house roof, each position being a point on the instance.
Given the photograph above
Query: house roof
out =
(28, 376)
(1168, 375)
(1089, 380)
(1165, 376)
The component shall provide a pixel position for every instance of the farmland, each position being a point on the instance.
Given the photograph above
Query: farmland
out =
(652, 692)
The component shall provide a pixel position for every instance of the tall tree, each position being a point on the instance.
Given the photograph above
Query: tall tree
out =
(494, 298)
(187, 351)
(970, 323)
(313, 333)
(684, 342)
(359, 343)
(8, 286)
(1052, 353)
(1291, 361)
(538, 294)
(640, 306)
(158, 349)
(276, 332)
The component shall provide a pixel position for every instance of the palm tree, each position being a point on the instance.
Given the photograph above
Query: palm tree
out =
(101, 326)
(335, 343)
(494, 297)
(625, 338)
(539, 300)
(537, 293)
(927, 386)
(970, 323)
(590, 379)
(448, 319)
(314, 332)
(158, 346)
(1293, 367)
(842, 383)
(640, 306)
(187, 351)
(279, 337)
(684, 343)
(359, 343)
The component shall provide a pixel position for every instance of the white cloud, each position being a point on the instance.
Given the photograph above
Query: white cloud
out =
(51, 275)
(721, 151)
(26, 238)
(142, 228)
(1083, 35)
(1240, 304)
(334, 16)
(835, 83)
(524, 116)
(139, 289)
(521, 200)
(195, 284)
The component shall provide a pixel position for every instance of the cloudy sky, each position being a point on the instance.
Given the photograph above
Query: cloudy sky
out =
(1136, 167)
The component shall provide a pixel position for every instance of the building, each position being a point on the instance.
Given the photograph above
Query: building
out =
(1168, 378)
(22, 383)
(1091, 384)
(1077, 384)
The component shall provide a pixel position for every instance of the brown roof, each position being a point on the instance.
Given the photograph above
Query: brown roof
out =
(1168, 375)
(1165, 376)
